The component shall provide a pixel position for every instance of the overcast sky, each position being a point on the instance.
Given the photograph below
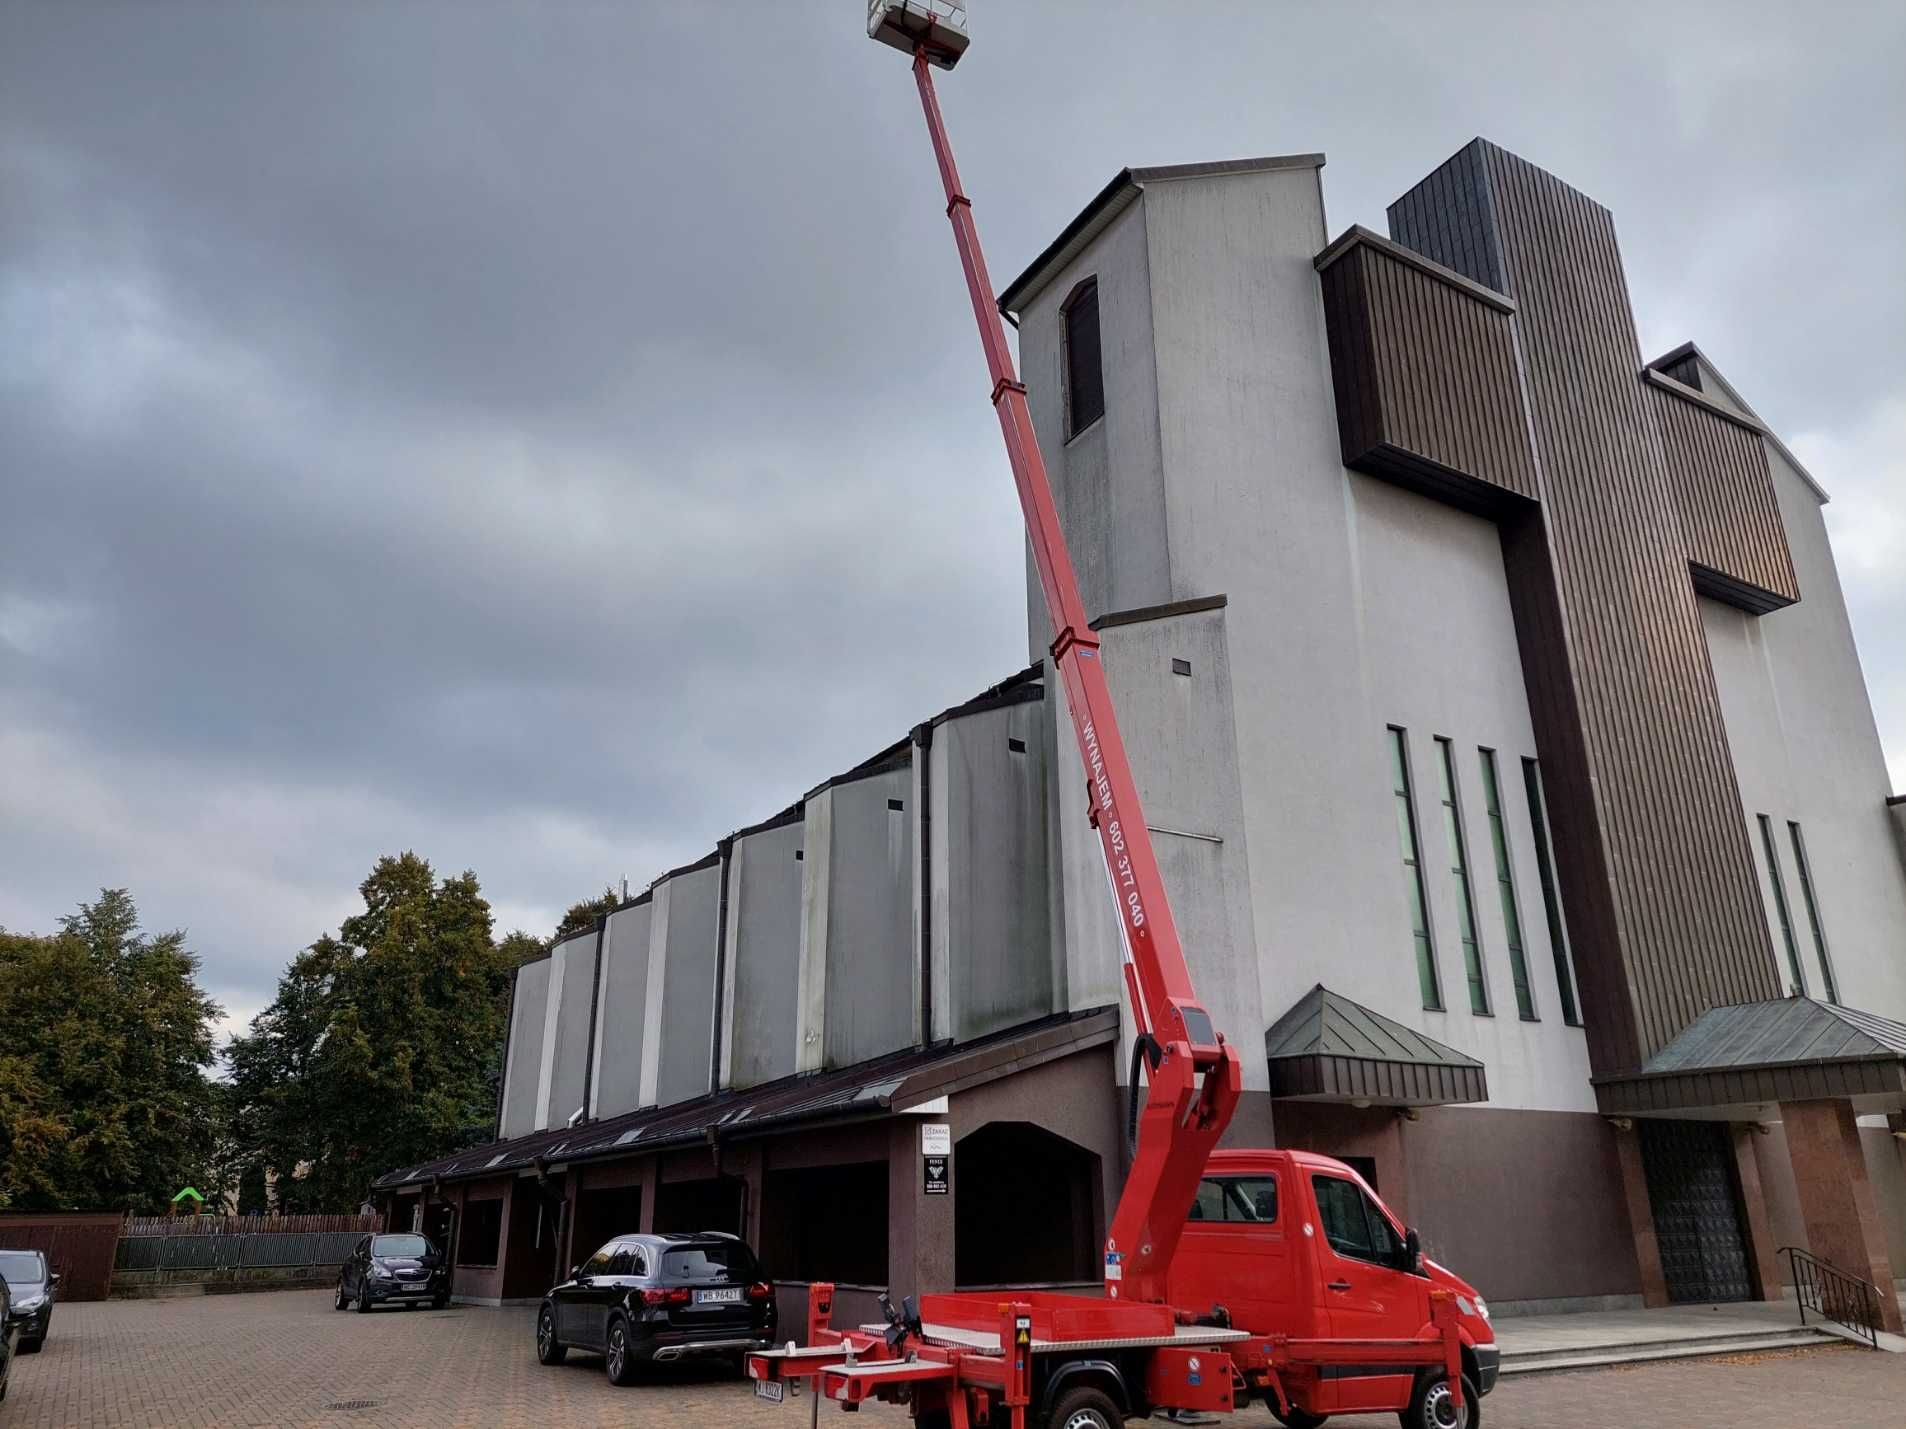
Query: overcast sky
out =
(551, 437)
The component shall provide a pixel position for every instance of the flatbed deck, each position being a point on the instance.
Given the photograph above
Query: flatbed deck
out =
(986, 1342)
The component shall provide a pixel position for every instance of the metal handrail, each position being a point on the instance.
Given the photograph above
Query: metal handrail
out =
(1832, 1294)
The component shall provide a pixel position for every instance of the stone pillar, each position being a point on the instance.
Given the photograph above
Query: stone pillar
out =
(1761, 1250)
(1836, 1197)
(651, 1183)
(1641, 1218)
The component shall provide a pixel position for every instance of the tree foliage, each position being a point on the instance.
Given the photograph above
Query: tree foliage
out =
(384, 1044)
(105, 1036)
(582, 916)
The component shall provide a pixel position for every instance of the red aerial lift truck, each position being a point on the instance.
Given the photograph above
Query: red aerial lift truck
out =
(1240, 1313)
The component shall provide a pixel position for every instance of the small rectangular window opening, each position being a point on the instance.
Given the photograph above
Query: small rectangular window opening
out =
(896, 804)
(1181, 667)
(1017, 746)
(1085, 381)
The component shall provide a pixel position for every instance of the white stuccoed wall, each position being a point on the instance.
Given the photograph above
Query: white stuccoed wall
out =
(762, 960)
(1805, 747)
(1352, 606)
(565, 1042)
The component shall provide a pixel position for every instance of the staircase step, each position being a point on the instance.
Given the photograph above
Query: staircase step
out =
(1687, 1347)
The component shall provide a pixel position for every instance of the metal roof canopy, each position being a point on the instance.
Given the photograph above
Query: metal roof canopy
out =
(873, 1088)
(1328, 1048)
(1750, 1054)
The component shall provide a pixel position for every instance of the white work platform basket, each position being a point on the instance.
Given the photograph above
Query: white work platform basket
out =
(939, 26)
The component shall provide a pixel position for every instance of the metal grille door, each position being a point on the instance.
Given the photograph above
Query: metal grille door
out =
(1690, 1168)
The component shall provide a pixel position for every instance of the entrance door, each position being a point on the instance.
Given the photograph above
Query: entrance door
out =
(1696, 1206)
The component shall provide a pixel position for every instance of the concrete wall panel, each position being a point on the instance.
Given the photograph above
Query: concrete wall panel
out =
(763, 959)
(992, 955)
(621, 1012)
(681, 1014)
(859, 917)
(566, 1028)
(523, 1062)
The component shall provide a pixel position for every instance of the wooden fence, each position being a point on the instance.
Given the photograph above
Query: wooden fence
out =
(249, 1225)
(79, 1247)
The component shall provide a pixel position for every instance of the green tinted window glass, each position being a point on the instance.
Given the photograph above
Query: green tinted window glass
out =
(1506, 887)
(1459, 875)
(1428, 984)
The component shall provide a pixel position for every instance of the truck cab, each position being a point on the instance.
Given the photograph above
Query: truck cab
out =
(1292, 1243)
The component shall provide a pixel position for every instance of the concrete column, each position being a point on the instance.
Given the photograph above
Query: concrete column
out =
(650, 1180)
(919, 1226)
(1641, 1219)
(1761, 1248)
(1836, 1196)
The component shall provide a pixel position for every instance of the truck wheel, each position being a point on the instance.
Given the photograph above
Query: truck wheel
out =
(1430, 1406)
(1085, 1408)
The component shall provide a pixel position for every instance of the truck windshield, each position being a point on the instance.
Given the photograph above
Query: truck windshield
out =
(717, 1263)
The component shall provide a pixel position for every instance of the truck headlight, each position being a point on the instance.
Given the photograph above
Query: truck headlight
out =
(1482, 1307)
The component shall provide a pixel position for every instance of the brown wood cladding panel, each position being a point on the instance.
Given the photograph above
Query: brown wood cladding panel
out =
(1730, 519)
(1425, 379)
(1628, 715)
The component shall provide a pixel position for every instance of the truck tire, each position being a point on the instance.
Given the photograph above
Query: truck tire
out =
(1430, 1407)
(1085, 1408)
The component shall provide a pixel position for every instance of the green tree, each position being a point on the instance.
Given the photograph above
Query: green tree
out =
(381, 1047)
(104, 1102)
(582, 916)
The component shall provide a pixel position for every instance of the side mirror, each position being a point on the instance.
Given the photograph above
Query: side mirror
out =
(1412, 1251)
(53, 1280)
(575, 1272)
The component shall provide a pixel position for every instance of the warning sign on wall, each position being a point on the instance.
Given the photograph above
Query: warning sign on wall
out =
(935, 1175)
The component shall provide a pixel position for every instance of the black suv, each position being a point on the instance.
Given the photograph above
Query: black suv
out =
(396, 1269)
(657, 1298)
(30, 1283)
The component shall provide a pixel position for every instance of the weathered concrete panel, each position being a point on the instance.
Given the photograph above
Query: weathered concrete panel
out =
(620, 1011)
(858, 952)
(763, 956)
(991, 928)
(681, 1011)
(523, 1061)
(572, 975)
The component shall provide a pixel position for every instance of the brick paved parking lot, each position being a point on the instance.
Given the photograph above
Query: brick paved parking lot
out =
(289, 1359)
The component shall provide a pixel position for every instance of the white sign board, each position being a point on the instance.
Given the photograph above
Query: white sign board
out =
(936, 1138)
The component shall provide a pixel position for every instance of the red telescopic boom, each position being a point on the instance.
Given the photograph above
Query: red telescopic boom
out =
(1194, 1076)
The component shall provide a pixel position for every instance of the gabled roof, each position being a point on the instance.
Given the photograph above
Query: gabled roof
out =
(1328, 1047)
(867, 1089)
(1113, 199)
(1692, 369)
(1784, 1049)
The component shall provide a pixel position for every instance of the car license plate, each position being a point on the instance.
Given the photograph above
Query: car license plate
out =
(719, 1297)
(769, 1389)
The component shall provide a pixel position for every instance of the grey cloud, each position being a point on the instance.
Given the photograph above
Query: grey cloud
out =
(550, 437)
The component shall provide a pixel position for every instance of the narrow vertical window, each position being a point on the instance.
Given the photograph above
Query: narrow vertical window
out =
(1413, 871)
(1085, 379)
(1812, 901)
(1780, 903)
(1551, 900)
(1506, 888)
(1459, 874)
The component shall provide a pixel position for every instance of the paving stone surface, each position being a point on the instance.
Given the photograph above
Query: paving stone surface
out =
(289, 1359)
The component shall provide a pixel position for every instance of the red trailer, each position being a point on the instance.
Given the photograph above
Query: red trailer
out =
(1020, 1358)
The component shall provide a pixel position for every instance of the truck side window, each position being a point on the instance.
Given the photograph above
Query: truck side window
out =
(1353, 1226)
(1251, 1200)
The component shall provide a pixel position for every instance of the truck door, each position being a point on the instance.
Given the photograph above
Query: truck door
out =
(1367, 1292)
(1235, 1253)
